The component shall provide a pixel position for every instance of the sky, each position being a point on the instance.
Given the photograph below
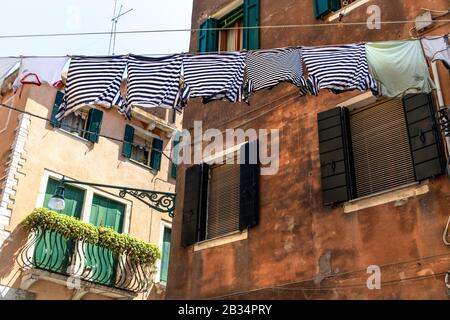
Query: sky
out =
(73, 16)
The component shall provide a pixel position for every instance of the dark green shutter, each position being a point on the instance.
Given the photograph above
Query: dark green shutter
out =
(249, 188)
(208, 40)
(194, 206)
(251, 19)
(336, 158)
(58, 101)
(128, 138)
(175, 150)
(94, 125)
(155, 158)
(323, 7)
(424, 137)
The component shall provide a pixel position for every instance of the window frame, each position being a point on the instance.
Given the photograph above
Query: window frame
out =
(148, 137)
(79, 134)
(236, 22)
(163, 225)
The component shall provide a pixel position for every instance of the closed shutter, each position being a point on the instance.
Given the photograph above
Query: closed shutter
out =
(155, 158)
(249, 189)
(323, 7)
(165, 255)
(194, 206)
(208, 39)
(381, 152)
(424, 137)
(251, 19)
(223, 200)
(127, 147)
(95, 118)
(336, 165)
(58, 101)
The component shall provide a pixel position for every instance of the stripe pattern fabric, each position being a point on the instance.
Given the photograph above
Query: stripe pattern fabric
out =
(93, 80)
(153, 82)
(267, 68)
(213, 77)
(338, 68)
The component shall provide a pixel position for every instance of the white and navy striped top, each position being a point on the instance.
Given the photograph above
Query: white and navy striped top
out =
(213, 77)
(153, 82)
(93, 80)
(267, 68)
(338, 68)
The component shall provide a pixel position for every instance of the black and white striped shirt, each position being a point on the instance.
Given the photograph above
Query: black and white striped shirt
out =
(338, 68)
(93, 80)
(267, 68)
(153, 82)
(213, 77)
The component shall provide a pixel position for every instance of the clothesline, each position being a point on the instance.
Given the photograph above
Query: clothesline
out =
(215, 29)
(210, 52)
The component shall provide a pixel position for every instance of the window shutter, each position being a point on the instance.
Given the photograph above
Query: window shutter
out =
(424, 136)
(249, 189)
(336, 159)
(95, 118)
(208, 40)
(127, 147)
(322, 7)
(194, 206)
(251, 19)
(176, 142)
(58, 101)
(155, 158)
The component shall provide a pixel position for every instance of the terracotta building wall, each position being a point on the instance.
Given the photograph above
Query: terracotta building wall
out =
(299, 241)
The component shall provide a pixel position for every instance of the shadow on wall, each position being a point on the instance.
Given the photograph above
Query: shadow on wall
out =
(9, 253)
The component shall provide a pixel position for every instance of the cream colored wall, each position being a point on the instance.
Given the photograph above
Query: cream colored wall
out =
(51, 149)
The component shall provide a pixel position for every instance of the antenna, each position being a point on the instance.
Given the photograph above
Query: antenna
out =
(114, 20)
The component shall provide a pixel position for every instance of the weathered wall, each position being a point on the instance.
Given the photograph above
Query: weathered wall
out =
(295, 229)
(51, 149)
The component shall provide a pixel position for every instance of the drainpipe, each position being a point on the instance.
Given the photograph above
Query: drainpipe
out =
(439, 95)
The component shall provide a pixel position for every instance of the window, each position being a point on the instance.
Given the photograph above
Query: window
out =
(247, 15)
(220, 199)
(233, 38)
(324, 7)
(85, 122)
(167, 235)
(142, 148)
(379, 147)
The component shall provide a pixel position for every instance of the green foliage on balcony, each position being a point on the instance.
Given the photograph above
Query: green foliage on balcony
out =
(137, 250)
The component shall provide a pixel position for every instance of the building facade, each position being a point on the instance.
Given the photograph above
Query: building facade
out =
(303, 233)
(86, 146)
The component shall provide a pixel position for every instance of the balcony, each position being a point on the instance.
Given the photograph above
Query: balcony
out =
(86, 261)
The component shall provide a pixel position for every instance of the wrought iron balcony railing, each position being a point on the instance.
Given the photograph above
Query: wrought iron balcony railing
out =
(51, 251)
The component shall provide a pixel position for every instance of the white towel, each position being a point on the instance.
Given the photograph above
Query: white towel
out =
(40, 70)
(436, 49)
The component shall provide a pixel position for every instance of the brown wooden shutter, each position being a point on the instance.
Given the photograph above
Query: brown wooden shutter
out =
(424, 137)
(336, 159)
(249, 189)
(194, 207)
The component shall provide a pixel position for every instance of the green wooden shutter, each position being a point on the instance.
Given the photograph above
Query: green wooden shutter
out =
(323, 7)
(103, 262)
(194, 206)
(155, 158)
(128, 138)
(249, 189)
(175, 151)
(94, 125)
(58, 101)
(53, 251)
(165, 255)
(251, 19)
(208, 40)
(336, 158)
(424, 136)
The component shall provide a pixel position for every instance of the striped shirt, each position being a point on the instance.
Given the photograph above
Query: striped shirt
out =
(339, 68)
(267, 68)
(153, 82)
(93, 80)
(213, 77)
